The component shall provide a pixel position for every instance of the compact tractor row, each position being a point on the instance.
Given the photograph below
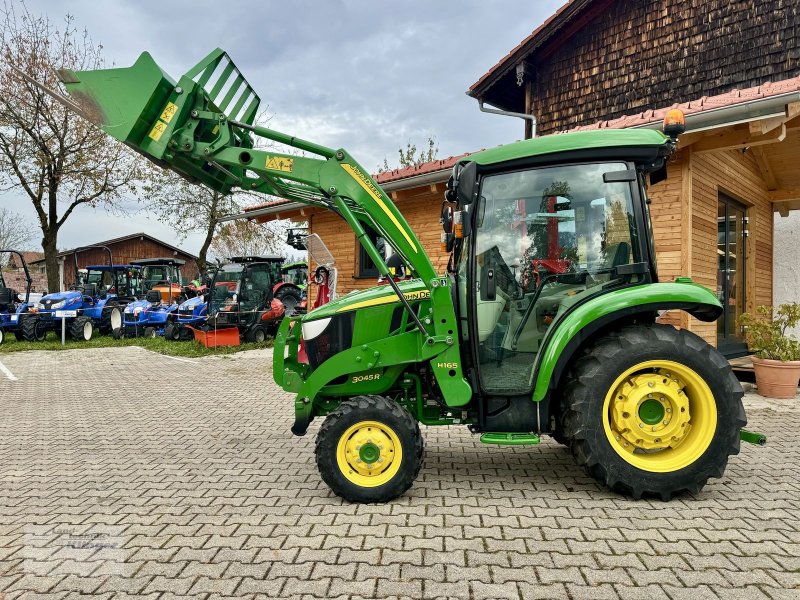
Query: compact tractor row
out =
(145, 298)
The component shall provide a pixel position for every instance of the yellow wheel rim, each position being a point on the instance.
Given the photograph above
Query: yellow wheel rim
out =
(369, 454)
(660, 416)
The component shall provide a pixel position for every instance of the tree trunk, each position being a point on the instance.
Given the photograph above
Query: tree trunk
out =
(51, 260)
(202, 263)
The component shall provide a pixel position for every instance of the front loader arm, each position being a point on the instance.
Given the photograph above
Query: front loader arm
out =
(203, 128)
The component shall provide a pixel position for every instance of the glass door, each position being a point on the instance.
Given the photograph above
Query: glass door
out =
(731, 257)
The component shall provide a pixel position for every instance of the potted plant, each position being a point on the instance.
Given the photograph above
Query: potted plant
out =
(777, 354)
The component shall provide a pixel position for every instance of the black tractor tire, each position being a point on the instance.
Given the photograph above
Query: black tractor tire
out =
(18, 334)
(81, 329)
(110, 318)
(32, 328)
(149, 332)
(591, 379)
(387, 414)
(118, 333)
(290, 298)
(185, 334)
(172, 331)
(256, 334)
(2, 335)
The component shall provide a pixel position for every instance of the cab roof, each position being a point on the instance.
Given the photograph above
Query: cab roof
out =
(107, 267)
(597, 143)
(142, 262)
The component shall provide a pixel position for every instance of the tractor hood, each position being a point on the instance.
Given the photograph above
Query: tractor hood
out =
(59, 300)
(137, 306)
(192, 303)
(413, 289)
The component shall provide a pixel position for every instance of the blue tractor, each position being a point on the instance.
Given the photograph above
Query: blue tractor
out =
(163, 293)
(192, 312)
(13, 308)
(95, 301)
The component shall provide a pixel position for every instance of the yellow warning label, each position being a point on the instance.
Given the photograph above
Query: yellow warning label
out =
(280, 163)
(169, 112)
(157, 131)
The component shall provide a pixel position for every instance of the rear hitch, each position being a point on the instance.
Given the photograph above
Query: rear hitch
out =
(751, 437)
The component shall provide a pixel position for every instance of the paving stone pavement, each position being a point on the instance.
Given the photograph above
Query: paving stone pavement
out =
(126, 474)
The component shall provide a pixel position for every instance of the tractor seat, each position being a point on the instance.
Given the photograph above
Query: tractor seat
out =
(7, 296)
(153, 296)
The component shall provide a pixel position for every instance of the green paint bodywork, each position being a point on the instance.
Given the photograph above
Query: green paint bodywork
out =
(568, 142)
(616, 301)
(751, 437)
(510, 439)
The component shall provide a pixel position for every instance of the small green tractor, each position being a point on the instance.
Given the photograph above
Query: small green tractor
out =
(545, 322)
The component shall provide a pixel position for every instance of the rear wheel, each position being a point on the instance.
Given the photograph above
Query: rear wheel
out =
(369, 450)
(33, 330)
(110, 319)
(290, 298)
(652, 410)
(81, 329)
(118, 333)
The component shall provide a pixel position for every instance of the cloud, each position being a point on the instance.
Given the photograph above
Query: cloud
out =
(364, 75)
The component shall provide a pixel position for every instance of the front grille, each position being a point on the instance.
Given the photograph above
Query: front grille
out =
(337, 337)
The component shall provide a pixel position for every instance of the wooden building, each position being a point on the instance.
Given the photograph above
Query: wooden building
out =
(599, 64)
(124, 249)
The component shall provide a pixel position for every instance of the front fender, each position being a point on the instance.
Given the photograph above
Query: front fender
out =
(577, 325)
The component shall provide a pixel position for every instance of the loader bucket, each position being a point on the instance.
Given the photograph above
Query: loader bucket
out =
(144, 108)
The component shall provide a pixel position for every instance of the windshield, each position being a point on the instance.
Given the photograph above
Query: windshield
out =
(160, 274)
(102, 278)
(225, 289)
(295, 275)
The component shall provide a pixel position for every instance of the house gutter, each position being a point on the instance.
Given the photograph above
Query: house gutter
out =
(754, 110)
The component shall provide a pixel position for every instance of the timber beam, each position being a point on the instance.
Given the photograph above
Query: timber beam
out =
(738, 139)
(785, 200)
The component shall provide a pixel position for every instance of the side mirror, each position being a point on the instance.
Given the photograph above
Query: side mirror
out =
(466, 184)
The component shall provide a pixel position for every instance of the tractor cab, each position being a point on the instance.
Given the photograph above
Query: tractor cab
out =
(242, 295)
(162, 275)
(542, 238)
(295, 273)
(121, 280)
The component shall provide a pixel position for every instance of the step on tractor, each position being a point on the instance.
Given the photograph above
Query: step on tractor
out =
(94, 302)
(160, 293)
(14, 308)
(242, 296)
(545, 321)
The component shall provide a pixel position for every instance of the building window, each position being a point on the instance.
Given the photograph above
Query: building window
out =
(367, 268)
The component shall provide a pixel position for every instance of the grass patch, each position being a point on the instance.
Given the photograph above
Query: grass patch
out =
(158, 344)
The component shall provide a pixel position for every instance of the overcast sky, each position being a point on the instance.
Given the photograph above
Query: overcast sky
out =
(366, 75)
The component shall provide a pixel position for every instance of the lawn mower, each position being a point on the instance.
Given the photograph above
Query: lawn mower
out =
(161, 293)
(14, 308)
(242, 297)
(573, 351)
(92, 302)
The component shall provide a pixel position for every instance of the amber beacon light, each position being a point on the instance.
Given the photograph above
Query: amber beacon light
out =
(674, 123)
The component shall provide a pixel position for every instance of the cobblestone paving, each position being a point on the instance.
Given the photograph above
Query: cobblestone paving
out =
(128, 474)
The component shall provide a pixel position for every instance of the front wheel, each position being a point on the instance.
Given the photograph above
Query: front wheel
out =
(369, 450)
(652, 410)
(290, 298)
(33, 330)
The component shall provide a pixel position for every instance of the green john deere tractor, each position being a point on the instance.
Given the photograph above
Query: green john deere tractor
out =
(544, 323)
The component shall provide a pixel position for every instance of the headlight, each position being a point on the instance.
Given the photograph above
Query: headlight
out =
(58, 305)
(312, 329)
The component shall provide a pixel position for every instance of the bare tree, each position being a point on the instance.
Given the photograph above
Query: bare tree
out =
(58, 160)
(247, 238)
(15, 231)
